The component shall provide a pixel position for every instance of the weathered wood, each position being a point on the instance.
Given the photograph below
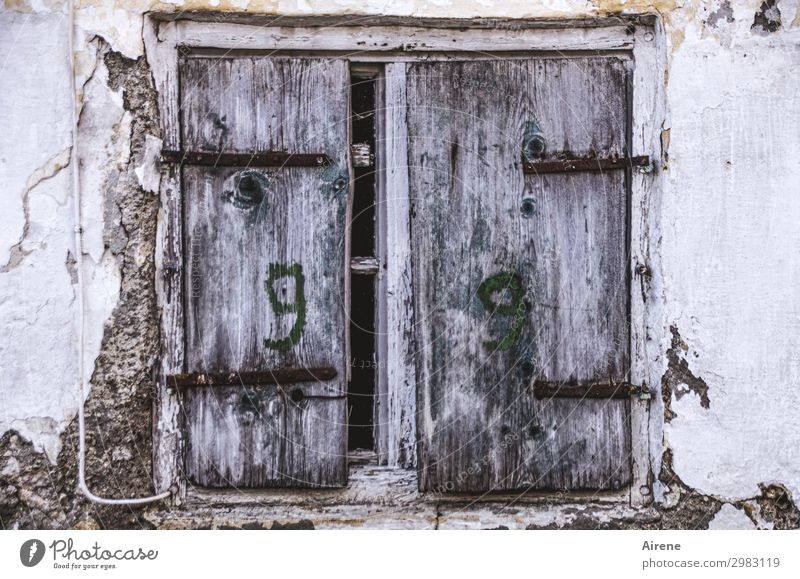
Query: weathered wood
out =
(365, 265)
(396, 340)
(518, 278)
(648, 103)
(383, 429)
(509, 35)
(266, 268)
(168, 427)
(161, 45)
(362, 155)
(623, 22)
(647, 121)
(388, 486)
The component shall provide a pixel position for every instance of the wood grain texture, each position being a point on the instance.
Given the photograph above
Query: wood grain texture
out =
(168, 427)
(160, 40)
(397, 339)
(518, 278)
(514, 35)
(647, 321)
(264, 287)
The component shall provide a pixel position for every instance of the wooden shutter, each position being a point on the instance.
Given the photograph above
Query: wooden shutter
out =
(518, 279)
(265, 276)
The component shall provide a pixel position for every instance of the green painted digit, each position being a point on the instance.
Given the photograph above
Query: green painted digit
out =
(516, 308)
(276, 272)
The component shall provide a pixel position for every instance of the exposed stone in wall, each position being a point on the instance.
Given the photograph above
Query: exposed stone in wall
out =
(767, 19)
(679, 380)
(688, 509)
(32, 491)
(774, 507)
(119, 411)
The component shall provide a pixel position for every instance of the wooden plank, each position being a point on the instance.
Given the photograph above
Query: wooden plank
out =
(365, 265)
(365, 59)
(266, 270)
(517, 278)
(517, 36)
(161, 46)
(168, 431)
(348, 237)
(266, 21)
(647, 354)
(383, 426)
(398, 334)
(362, 155)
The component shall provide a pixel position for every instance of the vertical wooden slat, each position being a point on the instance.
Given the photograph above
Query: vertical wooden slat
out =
(517, 278)
(160, 40)
(168, 440)
(265, 285)
(381, 410)
(400, 357)
(647, 122)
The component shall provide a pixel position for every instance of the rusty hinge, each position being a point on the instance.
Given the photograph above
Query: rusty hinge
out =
(584, 164)
(611, 389)
(254, 159)
(276, 376)
(534, 149)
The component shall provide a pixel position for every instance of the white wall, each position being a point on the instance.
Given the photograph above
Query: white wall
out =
(730, 218)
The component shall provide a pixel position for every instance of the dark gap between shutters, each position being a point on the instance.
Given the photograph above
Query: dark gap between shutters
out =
(361, 390)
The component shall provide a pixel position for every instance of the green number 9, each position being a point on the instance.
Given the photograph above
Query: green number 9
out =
(276, 272)
(516, 309)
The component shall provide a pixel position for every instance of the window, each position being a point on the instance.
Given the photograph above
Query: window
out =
(407, 245)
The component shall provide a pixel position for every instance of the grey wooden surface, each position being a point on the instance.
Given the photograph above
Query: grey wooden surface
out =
(480, 428)
(265, 435)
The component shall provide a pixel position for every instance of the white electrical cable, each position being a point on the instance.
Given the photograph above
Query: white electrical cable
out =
(79, 266)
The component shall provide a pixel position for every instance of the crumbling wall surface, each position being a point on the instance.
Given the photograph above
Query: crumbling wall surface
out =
(730, 256)
(725, 443)
(118, 126)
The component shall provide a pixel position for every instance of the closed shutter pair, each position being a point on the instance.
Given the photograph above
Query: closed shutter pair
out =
(519, 279)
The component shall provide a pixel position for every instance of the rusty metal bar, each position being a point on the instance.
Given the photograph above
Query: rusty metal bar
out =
(574, 165)
(277, 376)
(255, 159)
(620, 390)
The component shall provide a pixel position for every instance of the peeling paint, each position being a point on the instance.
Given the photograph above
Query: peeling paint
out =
(18, 251)
(723, 13)
(679, 379)
(768, 18)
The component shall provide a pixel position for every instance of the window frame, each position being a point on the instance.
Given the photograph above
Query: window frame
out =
(392, 41)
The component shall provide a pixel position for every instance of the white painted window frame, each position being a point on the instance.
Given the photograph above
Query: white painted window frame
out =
(391, 41)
